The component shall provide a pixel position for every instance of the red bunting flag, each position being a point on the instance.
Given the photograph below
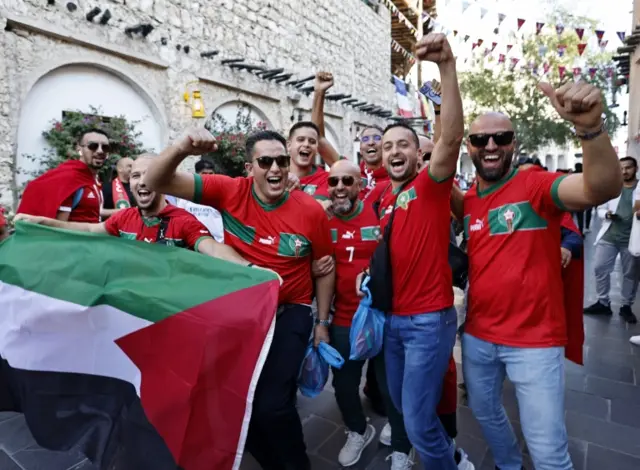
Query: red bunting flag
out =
(520, 23)
(493, 46)
(509, 46)
(599, 33)
(480, 41)
(577, 71)
(580, 32)
(501, 58)
(473, 46)
(592, 72)
(621, 35)
(559, 29)
(609, 72)
(546, 66)
(455, 33)
(561, 49)
(539, 27)
(514, 61)
(561, 70)
(581, 48)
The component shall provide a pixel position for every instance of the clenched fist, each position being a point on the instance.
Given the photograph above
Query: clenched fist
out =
(435, 48)
(324, 81)
(196, 141)
(579, 103)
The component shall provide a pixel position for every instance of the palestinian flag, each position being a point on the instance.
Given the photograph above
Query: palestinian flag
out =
(141, 356)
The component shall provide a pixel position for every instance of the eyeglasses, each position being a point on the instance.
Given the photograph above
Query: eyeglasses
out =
(367, 138)
(426, 156)
(93, 146)
(346, 181)
(265, 163)
(500, 138)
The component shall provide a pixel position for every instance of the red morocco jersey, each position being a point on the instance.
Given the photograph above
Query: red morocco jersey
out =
(183, 230)
(88, 207)
(420, 245)
(355, 238)
(515, 277)
(373, 182)
(315, 183)
(285, 236)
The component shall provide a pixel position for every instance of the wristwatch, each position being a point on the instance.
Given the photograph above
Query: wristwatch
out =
(326, 323)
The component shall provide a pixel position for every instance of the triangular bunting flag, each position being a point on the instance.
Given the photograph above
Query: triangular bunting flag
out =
(520, 23)
(501, 58)
(599, 33)
(509, 46)
(580, 32)
(603, 44)
(455, 33)
(561, 70)
(514, 61)
(501, 17)
(592, 71)
(561, 49)
(621, 35)
(465, 5)
(577, 71)
(533, 67)
(539, 27)
(581, 48)
(493, 46)
(609, 72)
(486, 51)
(480, 41)
(466, 37)
(546, 66)
(559, 29)
(483, 12)
(473, 46)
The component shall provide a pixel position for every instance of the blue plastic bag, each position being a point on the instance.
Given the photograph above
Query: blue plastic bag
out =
(314, 371)
(367, 328)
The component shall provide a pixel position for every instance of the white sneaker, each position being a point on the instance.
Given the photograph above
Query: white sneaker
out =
(400, 461)
(635, 340)
(352, 450)
(385, 435)
(465, 463)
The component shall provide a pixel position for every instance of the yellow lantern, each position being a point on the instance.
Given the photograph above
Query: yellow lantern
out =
(197, 104)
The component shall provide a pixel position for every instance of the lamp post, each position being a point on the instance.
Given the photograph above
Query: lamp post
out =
(195, 99)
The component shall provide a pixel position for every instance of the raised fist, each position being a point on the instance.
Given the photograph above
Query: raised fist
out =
(196, 141)
(435, 48)
(579, 103)
(324, 81)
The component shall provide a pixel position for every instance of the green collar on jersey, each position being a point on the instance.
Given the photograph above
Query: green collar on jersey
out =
(356, 212)
(269, 207)
(494, 187)
(151, 221)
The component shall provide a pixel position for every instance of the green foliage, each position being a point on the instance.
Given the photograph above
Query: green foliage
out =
(229, 158)
(513, 90)
(63, 135)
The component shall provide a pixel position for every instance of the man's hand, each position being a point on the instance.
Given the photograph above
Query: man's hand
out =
(32, 219)
(579, 103)
(324, 81)
(293, 182)
(358, 283)
(322, 266)
(320, 333)
(269, 270)
(611, 215)
(435, 48)
(196, 141)
(566, 256)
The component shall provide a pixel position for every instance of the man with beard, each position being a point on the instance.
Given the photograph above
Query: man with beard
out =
(513, 326)
(117, 194)
(421, 328)
(613, 240)
(268, 226)
(71, 191)
(152, 221)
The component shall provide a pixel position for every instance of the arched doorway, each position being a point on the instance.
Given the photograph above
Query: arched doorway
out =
(79, 87)
(237, 112)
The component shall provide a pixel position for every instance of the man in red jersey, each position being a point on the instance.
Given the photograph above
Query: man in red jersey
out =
(153, 221)
(516, 326)
(421, 328)
(354, 231)
(302, 146)
(268, 226)
(71, 191)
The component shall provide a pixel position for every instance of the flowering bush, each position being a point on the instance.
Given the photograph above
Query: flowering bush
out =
(229, 158)
(63, 135)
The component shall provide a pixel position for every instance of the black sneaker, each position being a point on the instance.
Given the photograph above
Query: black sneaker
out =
(627, 315)
(598, 309)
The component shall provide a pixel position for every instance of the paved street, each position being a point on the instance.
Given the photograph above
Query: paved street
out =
(602, 401)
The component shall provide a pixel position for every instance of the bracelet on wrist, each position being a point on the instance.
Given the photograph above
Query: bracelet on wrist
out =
(590, 134)
(326, 323)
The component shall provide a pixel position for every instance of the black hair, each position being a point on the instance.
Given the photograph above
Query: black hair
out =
(93, 130)
(259, 136)
(300, 125)
(524, 160)
(403, 125)
(372, 126)
(630, 159)
(203, 165)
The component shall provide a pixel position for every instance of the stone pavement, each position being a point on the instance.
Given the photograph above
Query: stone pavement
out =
(602, 402)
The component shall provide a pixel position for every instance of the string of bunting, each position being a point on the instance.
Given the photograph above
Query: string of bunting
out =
(398, 14)
(398, 48)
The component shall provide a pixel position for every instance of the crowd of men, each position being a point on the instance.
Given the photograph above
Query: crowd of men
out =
(318, 231)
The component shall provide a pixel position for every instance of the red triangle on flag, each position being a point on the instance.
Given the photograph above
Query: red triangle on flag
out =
(581, 48)
(493, 45)
(520, 23)
(580, 32)
(474, 46)
(480, 41)
(509, 46)
(539, 27)
(600, 34)
(561, 70)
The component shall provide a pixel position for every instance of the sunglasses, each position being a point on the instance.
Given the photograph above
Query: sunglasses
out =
(265, 163)
(500, 138)
(93, 146)
(346, 181)
(367, 138)
(426, 156)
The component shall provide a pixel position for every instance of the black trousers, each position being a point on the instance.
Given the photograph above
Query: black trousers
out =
(582, 223)
(275, 432)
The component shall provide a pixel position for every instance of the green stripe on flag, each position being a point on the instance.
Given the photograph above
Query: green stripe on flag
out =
(149, 281)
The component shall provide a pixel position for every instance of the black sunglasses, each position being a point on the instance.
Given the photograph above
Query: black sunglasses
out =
(500, 138)
(426, 156)
(93, 146)
(367, 138)
(283, 161)
(346, 181)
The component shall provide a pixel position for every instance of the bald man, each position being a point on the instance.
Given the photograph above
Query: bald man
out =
(426, 148)
(117, 194)
(152, 221)
(355, 230)
(516, 323)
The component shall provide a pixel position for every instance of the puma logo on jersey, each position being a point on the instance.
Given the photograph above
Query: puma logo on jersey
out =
(267, 241)
(478, 225)
(91, 195)
(203, 231)
(349, 235)
(148, 240)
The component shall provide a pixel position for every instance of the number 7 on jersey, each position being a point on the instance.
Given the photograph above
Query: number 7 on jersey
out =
(351, 250)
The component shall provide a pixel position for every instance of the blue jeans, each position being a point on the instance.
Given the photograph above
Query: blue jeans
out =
(538, 376)
(417, 349)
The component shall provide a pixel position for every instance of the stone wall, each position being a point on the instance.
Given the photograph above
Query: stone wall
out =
(343, 36)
